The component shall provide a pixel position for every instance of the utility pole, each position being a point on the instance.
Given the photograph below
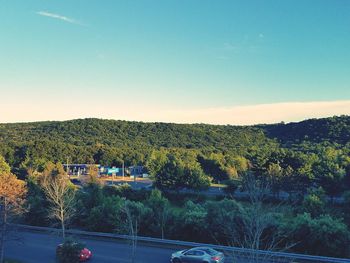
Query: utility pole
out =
(123, 169)
(67, 167)
(112, 176)
(134, 176)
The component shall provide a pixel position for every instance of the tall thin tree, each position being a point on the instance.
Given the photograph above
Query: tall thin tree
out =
(60, 193)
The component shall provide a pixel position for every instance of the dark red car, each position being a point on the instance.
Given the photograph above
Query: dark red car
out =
(85, 254)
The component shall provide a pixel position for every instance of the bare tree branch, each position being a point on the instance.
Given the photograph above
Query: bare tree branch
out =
(60, 193)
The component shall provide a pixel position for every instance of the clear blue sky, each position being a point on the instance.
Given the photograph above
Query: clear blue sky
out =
(171, 55)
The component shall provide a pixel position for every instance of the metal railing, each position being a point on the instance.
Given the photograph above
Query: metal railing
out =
(268, 256)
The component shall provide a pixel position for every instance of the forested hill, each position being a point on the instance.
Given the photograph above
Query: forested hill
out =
(109, 141)
(87, 132)
(333, 130)
(84, 132)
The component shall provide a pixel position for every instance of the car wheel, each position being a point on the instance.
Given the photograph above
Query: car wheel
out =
(176, 260)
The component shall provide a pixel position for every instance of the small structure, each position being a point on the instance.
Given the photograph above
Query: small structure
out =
(109, 171)
(78, 169)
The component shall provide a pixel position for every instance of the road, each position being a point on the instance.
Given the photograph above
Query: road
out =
(40, 247)
(37, 247)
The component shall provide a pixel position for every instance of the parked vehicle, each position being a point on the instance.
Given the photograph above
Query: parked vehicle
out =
(198, 254)
(84, 255)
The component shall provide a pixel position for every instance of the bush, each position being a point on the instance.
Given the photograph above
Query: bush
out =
(69, 251)
(325, 236)
(314, 202)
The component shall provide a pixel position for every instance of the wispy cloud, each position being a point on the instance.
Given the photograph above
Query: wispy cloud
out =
(60, 17)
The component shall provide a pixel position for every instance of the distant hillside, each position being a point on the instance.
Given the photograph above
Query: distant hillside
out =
(128, 133)
(334, 130)
(83, 132)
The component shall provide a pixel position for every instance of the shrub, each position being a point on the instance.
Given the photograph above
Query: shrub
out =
(69, 251)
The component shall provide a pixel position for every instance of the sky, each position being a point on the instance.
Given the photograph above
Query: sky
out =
(184, 61)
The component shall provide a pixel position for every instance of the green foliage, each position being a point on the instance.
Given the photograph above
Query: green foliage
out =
(314, 202)
(320, 236)
(331, 169)
(160, 211)
(90, 197)
(138, 216)
(193, 221)
(335, 129)
(107, 216)
(346, 207)
(36, 203)
(214, 165)
(4, 167)
(178, 169)
(223, 219)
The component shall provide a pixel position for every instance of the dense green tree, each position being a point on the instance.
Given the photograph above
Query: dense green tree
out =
(214, 166)
(330, 170)
(107, 216)
(178, 169)
(36, 202)
(160, 211)
(90, 197)
(314, 202)
(275, 177)
(325, 235)
(193, 221)
(4, 167)
(224, 219)
(346, 207)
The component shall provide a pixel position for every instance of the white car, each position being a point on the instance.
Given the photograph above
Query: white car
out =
(198, 254)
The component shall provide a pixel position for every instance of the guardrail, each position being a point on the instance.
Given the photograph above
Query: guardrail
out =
(267, 256)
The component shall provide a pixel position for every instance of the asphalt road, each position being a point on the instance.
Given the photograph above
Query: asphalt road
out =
(39, 247)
